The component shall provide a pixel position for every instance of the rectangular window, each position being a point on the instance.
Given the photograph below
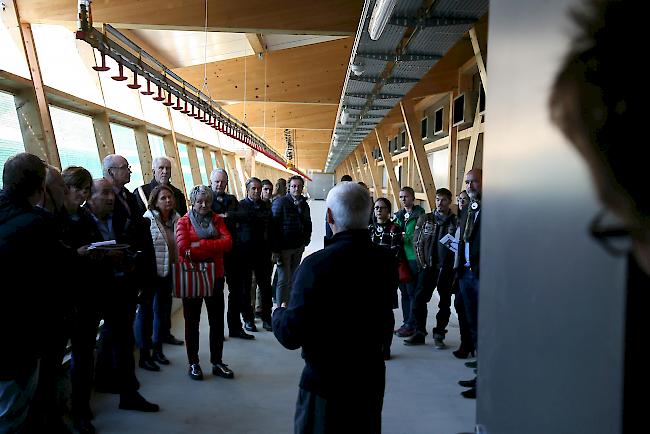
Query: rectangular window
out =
(459, 109)
(439, 165)
(404, 144)
(185, 167)
(384, 178)
(156, 145)
(75, 140)
(438, 122)
(481, 107)
(213, 156)
(125, 145)
(11, 139)
(204, 173)
(424, 125)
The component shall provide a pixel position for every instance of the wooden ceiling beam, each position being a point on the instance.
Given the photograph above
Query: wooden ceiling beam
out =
(324, 17)
(257, 43)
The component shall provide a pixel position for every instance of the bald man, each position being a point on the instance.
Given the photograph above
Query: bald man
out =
(468, 260)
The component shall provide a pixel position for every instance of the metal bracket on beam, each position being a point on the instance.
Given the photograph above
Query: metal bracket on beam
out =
(430, 22)
(393, 80)
(392, 57)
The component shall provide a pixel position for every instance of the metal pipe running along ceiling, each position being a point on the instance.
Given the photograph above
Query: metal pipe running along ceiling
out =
(381, 72)
(189, 100)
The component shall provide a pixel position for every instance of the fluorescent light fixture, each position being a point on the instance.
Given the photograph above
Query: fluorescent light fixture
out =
(345, 115)
(380, 15)
(358, 69)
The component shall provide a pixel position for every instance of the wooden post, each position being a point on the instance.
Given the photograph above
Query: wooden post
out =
(372, 170)
(29, 120)
(144, 152)
(421, 161)
(393, 186)
(103, 135)
(208, 162)
(48, 146)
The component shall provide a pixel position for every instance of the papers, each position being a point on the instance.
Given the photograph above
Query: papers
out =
(450, 242)
(108, 245)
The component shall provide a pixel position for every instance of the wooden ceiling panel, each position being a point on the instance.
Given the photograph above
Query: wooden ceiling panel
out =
(323, 17)
(290, 75)
(293, 116)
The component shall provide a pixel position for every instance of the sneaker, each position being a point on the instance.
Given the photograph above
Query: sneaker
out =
(416, 339)
(439, 342)
(222, 370)
(195, 372)
(250, 326)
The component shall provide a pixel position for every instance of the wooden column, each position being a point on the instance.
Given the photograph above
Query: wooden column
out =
(372, 170)
(421, 161)
(29, 120)
(103, 135)
(144, 152)
(393, 186)
(207, 157)
(194, 164)
(171, 152)
(47, 146)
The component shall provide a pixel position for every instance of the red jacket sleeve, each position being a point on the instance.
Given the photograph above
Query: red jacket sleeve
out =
(212, 248)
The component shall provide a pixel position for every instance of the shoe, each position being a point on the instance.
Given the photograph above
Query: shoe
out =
(405, 332)
(250, 326)
(149, 365)
(267, 326)
(439, 342)
(469, 393)
(462, 353)
(159, 357)
(222, 370)
(171, 340)
(471, 364)
(468, 383)
(135, 401)
(241, 334)
(83, 426)
(195, 372)
(416, 339)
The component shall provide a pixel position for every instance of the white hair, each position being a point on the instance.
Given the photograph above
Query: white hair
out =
(350, 205)
(108, 163)
(218, 170)
(156, 160)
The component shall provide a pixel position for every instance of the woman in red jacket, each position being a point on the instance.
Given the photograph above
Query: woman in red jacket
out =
(204, 235)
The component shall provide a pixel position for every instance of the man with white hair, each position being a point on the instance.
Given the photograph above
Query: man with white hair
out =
(329, 291)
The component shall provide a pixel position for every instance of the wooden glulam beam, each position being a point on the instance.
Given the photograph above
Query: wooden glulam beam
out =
(421, 161)
(393, 185)
(257, 43)
(372, 169)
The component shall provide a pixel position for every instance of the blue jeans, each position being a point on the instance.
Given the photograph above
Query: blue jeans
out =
(408, 295)
(153, 317)
(469, 287)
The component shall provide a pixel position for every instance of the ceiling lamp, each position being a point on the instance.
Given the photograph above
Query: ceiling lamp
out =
(358, 69)
(380, 15)
(345, 115)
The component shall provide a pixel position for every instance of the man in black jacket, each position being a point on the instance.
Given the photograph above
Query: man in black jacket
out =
(332, 398)
(435, 262)
(159, 305)
(254, 220)
(467, 260)
(291, 233)
(226, 206)
(26, 248)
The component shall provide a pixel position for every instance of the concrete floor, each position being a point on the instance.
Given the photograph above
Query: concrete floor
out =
(422, 396)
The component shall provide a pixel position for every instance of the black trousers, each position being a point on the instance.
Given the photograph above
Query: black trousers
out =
(466, 342)
(192, 314)
(318, 415)
(430, 279)
(233, 264)
(257, 261)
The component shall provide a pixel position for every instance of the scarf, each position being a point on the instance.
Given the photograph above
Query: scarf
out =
(203, 225)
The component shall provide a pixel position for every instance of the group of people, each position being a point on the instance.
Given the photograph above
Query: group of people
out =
(120, 248)
(435, 251)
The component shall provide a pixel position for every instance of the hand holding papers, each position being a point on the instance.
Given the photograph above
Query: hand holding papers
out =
(450, 242)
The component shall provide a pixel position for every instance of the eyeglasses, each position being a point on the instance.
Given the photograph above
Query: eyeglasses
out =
(380, 207)
(615, 238)
(123, 167)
